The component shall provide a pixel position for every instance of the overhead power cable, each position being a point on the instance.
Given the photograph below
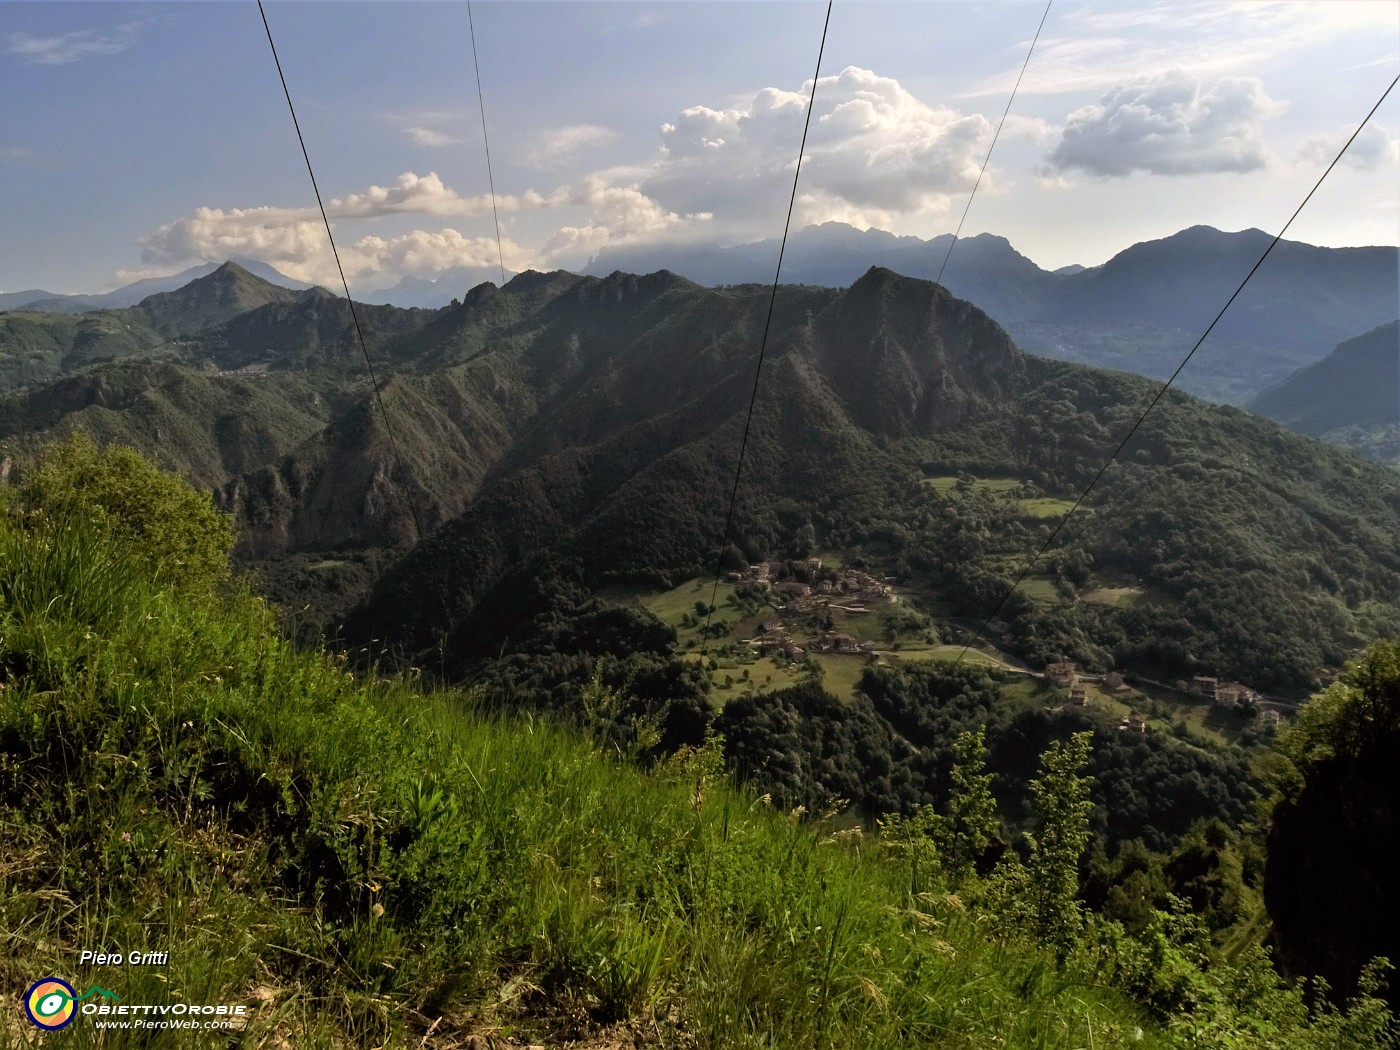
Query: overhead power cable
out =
(763, 342)
(354, 314)
(490, 178)
(1167, 385)
(933, 293)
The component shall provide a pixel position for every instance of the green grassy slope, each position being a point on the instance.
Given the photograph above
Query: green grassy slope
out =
(362, 861)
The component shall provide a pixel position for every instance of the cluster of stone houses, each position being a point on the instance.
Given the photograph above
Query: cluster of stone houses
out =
(1066, 675)
(773, 637)
(846, 591)
(1227, 695)
(1232, 695)
(778, 643)
(843, 590)
(258, 371)
(766, 573)
(843, 643)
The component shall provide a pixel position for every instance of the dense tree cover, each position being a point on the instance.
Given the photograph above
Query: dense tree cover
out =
(893, 748)
(1144, 938)
(169, 526)
(1214, 869)
(550, 639)
(1233, 579)
(1331, 869)
(804, 747)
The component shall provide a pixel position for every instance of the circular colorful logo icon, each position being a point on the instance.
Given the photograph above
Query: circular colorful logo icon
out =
(50, 1003)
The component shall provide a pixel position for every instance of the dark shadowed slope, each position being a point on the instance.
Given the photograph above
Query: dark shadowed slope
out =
(1358, 384)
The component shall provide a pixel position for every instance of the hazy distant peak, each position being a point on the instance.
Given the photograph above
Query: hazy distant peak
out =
(217, 297)
(1209, 237)
(987, 239)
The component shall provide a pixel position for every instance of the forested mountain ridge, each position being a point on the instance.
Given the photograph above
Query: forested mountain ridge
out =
(1140, 311)
(36, 346)
(1208, 511)
(1350, 397)
(597, 419)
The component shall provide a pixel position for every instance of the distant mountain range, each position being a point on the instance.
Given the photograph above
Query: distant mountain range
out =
(420, 292)
(1141, 311)
(593, 422)
(38, 346)
(984, 269)
(131, 294)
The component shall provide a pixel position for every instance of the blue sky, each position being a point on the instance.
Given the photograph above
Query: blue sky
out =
(138, 139)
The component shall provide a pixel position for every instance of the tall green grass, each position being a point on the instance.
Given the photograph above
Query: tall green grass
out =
(369, 863)
(362, 859)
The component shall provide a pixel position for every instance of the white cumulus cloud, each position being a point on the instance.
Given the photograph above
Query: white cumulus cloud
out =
(1169, 125)
(294, 239)
(874, 152)
(618, 214)
(428, 195)
(421, 253)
